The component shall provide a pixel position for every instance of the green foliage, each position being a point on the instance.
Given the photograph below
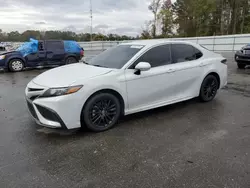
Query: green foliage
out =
(190, 18)
(154, 7)
(167, 24)
(15, 36)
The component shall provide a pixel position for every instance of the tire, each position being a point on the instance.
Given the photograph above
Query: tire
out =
(101, 112)
(241, 66)
(70, 60)
(209, 88)
(16, 65)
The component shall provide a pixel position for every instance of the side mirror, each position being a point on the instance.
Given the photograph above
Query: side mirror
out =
(143, 66)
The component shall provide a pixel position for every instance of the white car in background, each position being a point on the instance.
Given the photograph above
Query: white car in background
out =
(126, 79)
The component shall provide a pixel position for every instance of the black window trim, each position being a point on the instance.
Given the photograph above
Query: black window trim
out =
(43, 46)
(130, 66)
(195, 48)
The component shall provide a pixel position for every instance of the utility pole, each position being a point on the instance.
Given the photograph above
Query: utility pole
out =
(91, 20)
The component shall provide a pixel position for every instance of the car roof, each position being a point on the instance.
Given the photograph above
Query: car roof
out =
(153, 42)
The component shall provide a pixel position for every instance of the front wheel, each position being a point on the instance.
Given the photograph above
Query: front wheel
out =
(101, 112)
(209, 88)
(16, 65)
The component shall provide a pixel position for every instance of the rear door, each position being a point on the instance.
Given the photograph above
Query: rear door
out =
(55, 52)
(188, 69)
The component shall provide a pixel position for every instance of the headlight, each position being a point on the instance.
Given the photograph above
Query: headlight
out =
(53, 92)
(2, 57)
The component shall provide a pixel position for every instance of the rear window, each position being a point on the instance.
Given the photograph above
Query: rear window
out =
(184, 52)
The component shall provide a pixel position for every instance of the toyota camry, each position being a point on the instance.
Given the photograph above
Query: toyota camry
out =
(122, 80)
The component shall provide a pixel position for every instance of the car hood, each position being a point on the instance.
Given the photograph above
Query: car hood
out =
(69, 74)
(245, 48)
(7, 52)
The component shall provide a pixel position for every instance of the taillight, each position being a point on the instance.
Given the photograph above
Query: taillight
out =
(224, 61)
(82, 52)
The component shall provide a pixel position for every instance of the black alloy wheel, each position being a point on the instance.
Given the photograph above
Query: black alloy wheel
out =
(101, 112)
(209, 88)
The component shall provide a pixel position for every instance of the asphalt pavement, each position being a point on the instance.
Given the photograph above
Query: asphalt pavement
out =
(189, 144)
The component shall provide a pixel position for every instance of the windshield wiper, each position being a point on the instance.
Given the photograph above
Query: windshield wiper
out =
(100, 66)
(85, 63)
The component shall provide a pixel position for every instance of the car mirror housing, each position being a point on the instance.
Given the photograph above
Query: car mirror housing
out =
(143, 66)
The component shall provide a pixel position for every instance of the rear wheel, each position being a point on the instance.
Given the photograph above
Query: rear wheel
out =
(70, 60)
(101, 112)
(209, 88)
(241, 66)
(16, 65)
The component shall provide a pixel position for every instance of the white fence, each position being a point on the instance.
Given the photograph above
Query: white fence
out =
(215, 43)
(227, 43)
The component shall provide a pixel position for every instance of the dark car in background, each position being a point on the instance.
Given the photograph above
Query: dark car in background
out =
(41, 53)
(2, 49)
(242, 57)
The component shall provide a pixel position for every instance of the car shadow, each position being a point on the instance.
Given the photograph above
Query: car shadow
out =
(28, 69)
(158, 111)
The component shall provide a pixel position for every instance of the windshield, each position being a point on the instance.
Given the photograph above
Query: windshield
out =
(115, 57)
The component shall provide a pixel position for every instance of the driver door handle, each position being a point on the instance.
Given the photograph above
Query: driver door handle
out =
(170, 70)
(202, 64)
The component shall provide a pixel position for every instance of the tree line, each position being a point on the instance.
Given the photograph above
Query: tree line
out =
(184, 18)
(193, 18)
(15, 36)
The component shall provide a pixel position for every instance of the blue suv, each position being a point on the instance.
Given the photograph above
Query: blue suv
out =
(41, 53)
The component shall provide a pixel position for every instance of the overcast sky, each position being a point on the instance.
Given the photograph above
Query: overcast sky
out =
(109, 16)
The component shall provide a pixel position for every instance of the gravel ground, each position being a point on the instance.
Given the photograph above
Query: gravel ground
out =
(189, 144)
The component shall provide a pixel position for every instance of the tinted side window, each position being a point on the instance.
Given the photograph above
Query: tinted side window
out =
(157, 56)
(184, 52)
(54, 45)
(40, 46)
(198, 53)
(2, 48)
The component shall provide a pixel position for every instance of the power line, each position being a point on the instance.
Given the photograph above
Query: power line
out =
(91, 20)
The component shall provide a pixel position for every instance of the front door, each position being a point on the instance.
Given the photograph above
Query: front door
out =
(154, 86)
(37, 58)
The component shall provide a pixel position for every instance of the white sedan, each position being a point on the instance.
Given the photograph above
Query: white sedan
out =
(129, 78)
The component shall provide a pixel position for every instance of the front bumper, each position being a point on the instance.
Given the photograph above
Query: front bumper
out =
(242, 58)
(62, 112)
(45, 116)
